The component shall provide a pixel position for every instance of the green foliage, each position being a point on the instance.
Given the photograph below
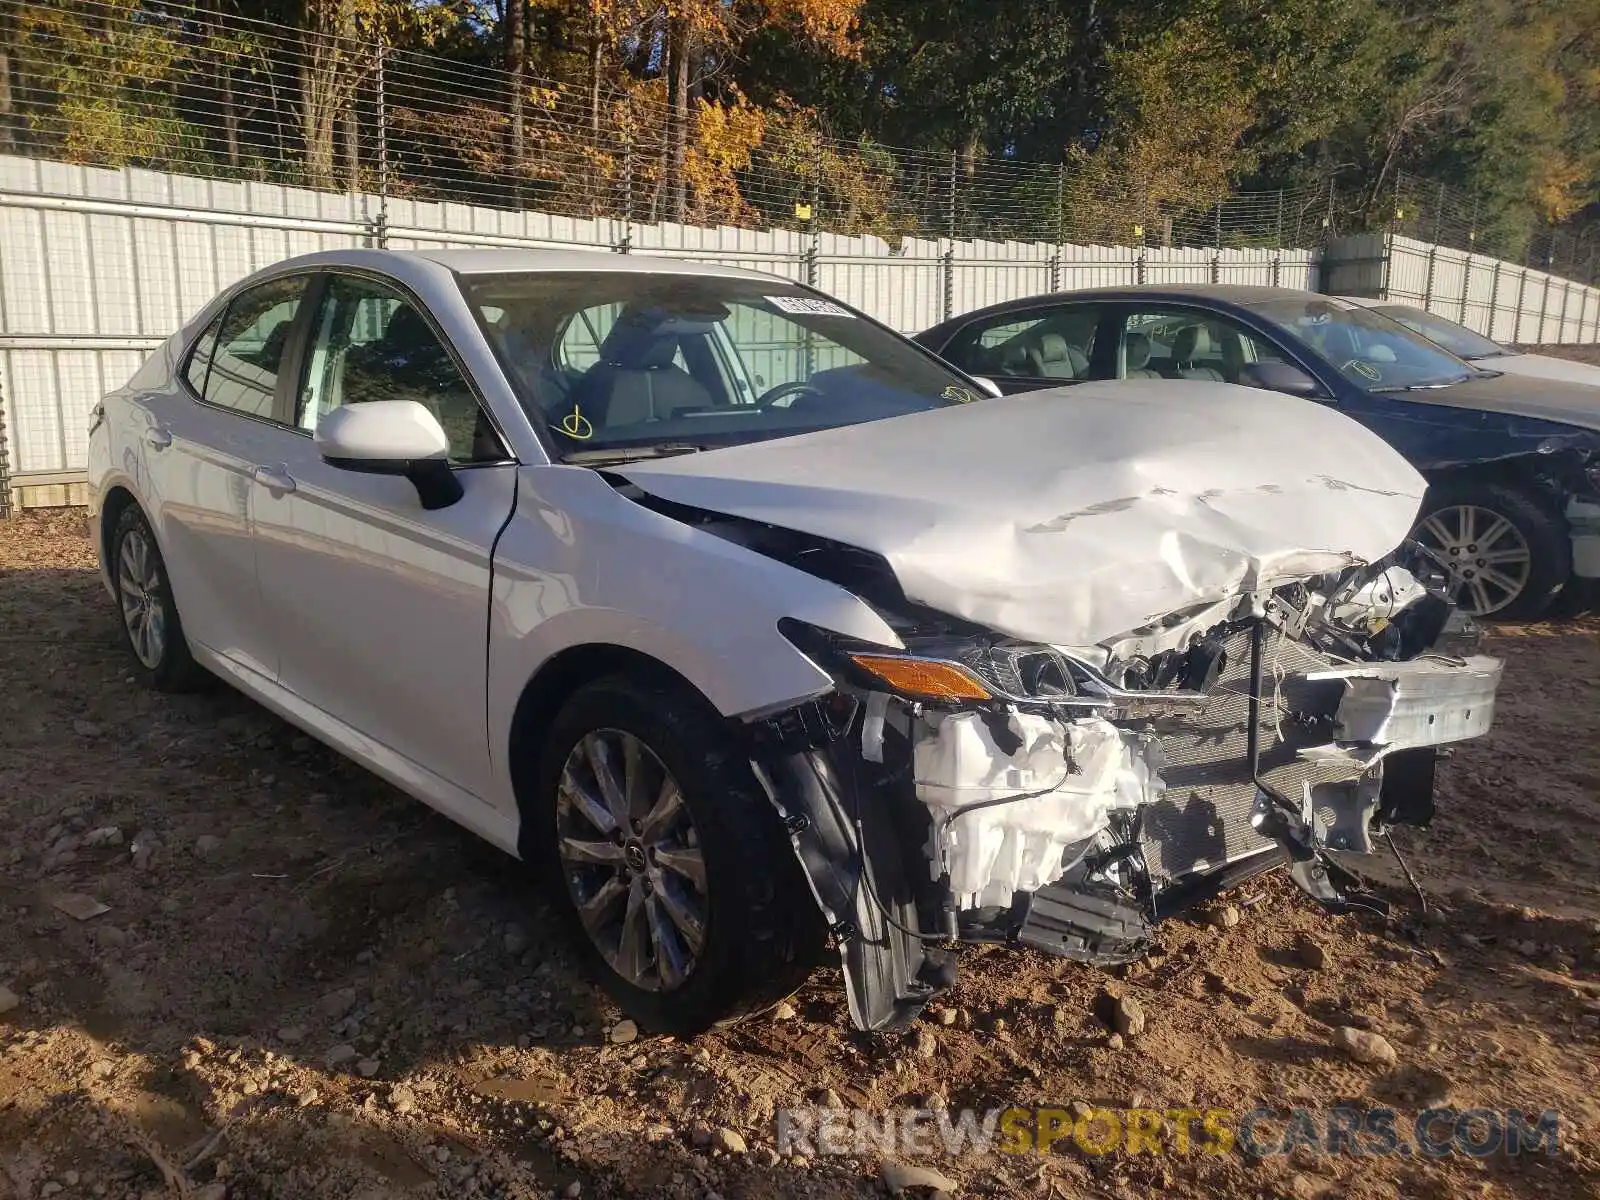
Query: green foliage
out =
(1087, 119)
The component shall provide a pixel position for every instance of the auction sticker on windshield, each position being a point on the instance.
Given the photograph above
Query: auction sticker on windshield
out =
(807, 306)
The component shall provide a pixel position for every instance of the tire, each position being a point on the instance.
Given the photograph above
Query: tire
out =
(762, 934)
(151, 627)
(1531, 526)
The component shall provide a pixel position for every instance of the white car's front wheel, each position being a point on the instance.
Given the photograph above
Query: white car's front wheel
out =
(676, 874)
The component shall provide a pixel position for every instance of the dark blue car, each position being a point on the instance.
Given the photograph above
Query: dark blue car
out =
(1513, 463)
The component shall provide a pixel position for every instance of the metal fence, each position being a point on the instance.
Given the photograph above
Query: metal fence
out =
(151, 153)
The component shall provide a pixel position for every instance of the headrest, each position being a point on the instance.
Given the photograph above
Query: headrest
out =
(1192, 341)
(1136, 349)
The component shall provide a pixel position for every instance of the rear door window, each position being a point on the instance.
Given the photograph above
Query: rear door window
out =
(249, 348)
(1050, 345)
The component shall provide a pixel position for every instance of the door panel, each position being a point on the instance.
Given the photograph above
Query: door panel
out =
(204, 442)
(381, 608)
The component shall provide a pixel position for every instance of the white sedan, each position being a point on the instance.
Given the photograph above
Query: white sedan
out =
(752, 626)
(1472, 346)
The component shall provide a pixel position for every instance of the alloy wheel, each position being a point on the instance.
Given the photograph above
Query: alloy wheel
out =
(632, 859)
(139, 590)
(1487, 557)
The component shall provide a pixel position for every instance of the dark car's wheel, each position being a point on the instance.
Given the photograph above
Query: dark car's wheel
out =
(1507, 554)
(150, 621)
(679, 880)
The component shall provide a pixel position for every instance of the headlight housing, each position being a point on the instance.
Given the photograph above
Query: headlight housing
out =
(941, 669)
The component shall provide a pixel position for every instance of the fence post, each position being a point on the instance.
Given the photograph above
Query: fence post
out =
(1279, 238)
(1466, 287)
(381, 230)
(1427, 286)
(1522, 293)
(814, 249)
(1544, 305)
(1494, 298)
(1057, 268)
(949, 265)
(1566, 300)
(625, 246)
(5, 464)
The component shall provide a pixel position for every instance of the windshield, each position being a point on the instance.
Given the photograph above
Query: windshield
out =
(1367, 347)
(1457, 339)
(616, 363)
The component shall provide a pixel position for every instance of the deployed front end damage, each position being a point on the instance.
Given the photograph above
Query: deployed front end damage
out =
(1150, 641)
(1082, 797)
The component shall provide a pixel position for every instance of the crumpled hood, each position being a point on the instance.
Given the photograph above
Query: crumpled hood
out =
(1073, 515)
(1519, 396)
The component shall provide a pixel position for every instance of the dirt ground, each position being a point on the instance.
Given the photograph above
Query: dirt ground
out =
(307, 985)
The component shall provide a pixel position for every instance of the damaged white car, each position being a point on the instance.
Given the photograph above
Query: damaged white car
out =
(754, 628)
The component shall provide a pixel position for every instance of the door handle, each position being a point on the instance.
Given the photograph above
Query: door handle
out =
(157, 437)
(275, 479)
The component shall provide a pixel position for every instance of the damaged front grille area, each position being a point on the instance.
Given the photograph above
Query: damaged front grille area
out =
(1202, 819)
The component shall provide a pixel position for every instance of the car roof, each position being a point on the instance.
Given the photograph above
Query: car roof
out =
(507, 261)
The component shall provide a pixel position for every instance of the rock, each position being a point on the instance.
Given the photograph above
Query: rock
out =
(102, 1069)
(106, 835)
(830, 1099)
(623, 1032)
(1081, 1110)
(573, 1190)
(339, 1055)
(8, 999)
(1528, 948)
(899, 1177)
(367, 1068)
(1135, 1099)
(307, 1098)
(784, 1012)
(337, 1004)
(727, 1140)
(211, 1191)
(402, 1099)
(515, 940)
(1312, 954)
(947, 1016)
(1225, 917)
(86, 729)
(206, 845)
(78, 906)
(1365, 1047)
(927, 1046)
(1114, 1042)
(1127, 1016)
(291, 1035)
(144, 848)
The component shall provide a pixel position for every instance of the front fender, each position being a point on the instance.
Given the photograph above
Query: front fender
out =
(580, 564)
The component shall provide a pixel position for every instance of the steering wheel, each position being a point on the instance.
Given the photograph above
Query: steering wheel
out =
(795, 389)
(1368, 371)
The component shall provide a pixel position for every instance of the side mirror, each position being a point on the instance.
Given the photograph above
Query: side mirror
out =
(391, 437)
(1279, 377)
(988, 385)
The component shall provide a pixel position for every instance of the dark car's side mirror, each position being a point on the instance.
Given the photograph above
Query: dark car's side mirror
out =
(1279, 377)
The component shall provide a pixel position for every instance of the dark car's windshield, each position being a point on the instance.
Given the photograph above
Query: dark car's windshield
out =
(1367, 347)
(628, 362)
(1457, 339)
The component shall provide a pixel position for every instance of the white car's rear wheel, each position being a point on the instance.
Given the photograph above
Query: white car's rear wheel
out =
(150, 621)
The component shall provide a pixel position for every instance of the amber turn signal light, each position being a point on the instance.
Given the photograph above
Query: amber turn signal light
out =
(923, 677)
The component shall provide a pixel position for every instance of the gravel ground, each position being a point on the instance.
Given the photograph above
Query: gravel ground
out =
(305, 984)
